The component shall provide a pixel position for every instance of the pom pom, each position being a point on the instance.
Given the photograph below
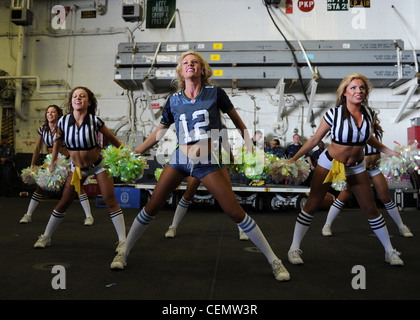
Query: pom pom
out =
(123, 163)
(52, 181)
(394, 167)
(158, 172)
(339, 185)
(297, 172)
(28, 175)
(251, 164)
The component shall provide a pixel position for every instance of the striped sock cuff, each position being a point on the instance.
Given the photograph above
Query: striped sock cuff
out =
(377, 223)
(338, 204)
(184, 203)
(115, 213)
(57, 214)
(390, 205)
(304, 218)
(83, 197)
(36, 197)
(248, 224)
(144, 218)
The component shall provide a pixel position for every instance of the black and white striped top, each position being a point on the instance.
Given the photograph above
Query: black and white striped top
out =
(83, 138)
(369, 150)
(344, 133)
(47, 136)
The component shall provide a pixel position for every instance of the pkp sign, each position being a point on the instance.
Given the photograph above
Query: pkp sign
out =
(306, 5)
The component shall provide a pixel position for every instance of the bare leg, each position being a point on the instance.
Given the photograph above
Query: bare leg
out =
(182, 207)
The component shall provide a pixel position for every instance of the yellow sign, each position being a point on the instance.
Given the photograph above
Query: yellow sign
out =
(218, 73)
(215, 57)
(217, 46)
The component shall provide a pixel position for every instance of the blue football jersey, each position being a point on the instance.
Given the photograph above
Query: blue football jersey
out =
(195, 118)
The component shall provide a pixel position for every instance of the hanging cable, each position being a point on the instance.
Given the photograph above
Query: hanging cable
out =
(292, 50)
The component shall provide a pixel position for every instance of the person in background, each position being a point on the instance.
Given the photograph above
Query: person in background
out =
(293, 148)
(275, 148)
(7, 168)
(79, 131)
(372, 158)
(257, 137)
(46, 135)
(195, 110)
(350, 124)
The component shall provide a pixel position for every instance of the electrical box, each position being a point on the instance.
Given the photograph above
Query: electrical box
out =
(21, 16)
(132, 12)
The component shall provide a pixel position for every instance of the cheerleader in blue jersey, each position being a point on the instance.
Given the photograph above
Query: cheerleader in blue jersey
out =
(351, 126)
(79, 131)
(46, 135)
(372, 157)
(195, 111)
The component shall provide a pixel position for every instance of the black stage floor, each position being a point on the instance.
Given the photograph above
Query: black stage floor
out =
(206, 261)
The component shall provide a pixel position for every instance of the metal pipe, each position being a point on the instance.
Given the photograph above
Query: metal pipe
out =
(38, 84)
(18, 84)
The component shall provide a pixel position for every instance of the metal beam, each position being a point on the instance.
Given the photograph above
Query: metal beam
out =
(411, 87)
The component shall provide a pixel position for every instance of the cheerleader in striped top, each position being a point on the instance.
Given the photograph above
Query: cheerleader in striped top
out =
(351, 126)
(79, 131)
(372, 157)
(46, 135)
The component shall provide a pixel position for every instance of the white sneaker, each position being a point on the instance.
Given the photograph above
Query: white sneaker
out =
(120, 245)
(119, 261)
(393, 257)
(88, 221)
(405, 232)
(171, 233)
(295, 256)
(279, 271)
(26, 219)
(326, 230)
(242, 235)
(43, 241)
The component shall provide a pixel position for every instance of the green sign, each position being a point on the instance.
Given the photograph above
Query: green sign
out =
(337, 5)
(159, 13)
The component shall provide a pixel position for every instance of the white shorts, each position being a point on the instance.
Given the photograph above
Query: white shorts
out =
(374, 171)
(94, 169)
(325, 161)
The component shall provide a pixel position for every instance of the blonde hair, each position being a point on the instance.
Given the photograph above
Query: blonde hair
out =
(205, 77)
(341, 98)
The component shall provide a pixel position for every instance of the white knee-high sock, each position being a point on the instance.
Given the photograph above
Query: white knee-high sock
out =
(33, 204)
(379, 227)
(84, 202)
(55, 220)
(303, 222)
(335, 209)
(250, 227)
(394, 213)
(117, 218)
(140, 224)
(180, 211)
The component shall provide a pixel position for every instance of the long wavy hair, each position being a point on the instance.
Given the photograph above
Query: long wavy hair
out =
(341, 98)
(377, 124)
(59, 111)
(205, 77)
(91, 97)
